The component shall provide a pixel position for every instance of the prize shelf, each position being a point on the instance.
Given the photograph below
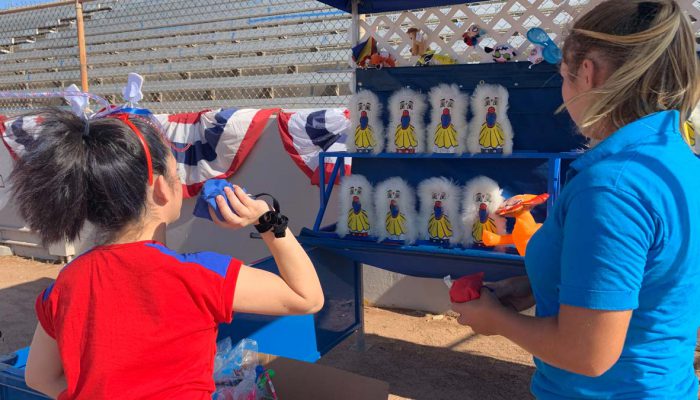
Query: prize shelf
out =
(424, 259)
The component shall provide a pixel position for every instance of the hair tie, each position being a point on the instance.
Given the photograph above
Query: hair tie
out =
(86, 129)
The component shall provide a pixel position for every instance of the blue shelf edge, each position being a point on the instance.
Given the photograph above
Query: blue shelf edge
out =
(412, 260)
(515, 155)
(327, 240)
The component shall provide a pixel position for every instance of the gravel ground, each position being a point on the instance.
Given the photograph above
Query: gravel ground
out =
(422, 356)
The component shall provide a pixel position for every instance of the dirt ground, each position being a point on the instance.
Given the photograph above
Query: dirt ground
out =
(422, 356)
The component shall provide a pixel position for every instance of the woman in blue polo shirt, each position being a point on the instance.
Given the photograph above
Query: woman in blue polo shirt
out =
(615, 269)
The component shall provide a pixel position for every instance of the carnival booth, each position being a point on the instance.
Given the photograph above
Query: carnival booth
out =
(455, 111)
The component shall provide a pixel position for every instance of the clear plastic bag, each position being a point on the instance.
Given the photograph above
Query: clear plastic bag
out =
(235, 371)
(231, 364)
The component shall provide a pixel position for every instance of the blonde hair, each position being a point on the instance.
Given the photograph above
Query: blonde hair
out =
(649, 48)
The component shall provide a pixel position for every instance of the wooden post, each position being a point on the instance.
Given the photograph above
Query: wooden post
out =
(354, 37)
(81, 45)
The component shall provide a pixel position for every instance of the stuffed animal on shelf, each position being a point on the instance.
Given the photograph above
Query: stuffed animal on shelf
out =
(366, 130)
(381, 60)
(501, 53)
(395, 203)
(439, 206)
(363, 51)
(472, 35)
(535, 56)
(356, 212)
(517, 207)
(431, 57)
(419, 42)
(490, 130)
(482, 197)
(406, 132)
(448, 120)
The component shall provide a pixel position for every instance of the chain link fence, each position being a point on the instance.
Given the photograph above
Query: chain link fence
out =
(223, 53)
(193, 55)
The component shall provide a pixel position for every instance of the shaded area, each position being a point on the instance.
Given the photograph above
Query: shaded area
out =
(417, 371)
(17, 317)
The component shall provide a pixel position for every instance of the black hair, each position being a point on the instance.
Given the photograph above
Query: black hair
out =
(70, 173)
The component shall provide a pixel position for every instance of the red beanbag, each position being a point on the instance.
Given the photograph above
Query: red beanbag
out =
(467, 288)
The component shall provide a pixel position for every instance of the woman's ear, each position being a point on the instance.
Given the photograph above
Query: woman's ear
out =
(162, 190)
(589, 75)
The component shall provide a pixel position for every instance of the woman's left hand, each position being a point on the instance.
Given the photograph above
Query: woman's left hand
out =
(481, 314)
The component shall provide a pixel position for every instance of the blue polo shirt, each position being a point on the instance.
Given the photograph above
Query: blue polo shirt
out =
(625, 235)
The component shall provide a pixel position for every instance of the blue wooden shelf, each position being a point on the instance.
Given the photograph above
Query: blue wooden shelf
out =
(515, 155)
(420, 260)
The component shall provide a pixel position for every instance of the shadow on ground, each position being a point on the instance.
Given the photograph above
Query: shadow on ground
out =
(17, 317)
(420, 372)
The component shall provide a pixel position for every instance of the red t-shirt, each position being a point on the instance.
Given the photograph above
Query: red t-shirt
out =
(139, 321)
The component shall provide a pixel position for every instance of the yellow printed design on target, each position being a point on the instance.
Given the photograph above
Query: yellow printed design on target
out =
(689, 133)
(364, 138)
(478, 229)
(405, 137)
(491, 137)
(445, 138)
(358, 222)
(439, 228)
(395, 226)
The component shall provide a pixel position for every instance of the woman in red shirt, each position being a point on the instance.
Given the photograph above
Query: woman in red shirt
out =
(132, 319)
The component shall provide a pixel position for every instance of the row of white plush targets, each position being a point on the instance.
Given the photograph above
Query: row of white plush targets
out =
(489, 131)
(448, 215)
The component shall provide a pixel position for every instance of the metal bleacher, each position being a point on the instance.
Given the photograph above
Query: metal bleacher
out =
(193, 55)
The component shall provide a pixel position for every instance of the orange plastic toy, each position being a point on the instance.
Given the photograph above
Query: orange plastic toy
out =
(517, 207)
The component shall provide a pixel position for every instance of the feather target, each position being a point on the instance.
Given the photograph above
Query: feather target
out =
(356, 210)
(406, 130)
(482, 197)
(395, 203)
(439, 211)
(447, 132)
(490, 130)
(366, 133)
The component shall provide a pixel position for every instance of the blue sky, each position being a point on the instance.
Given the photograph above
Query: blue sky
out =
(19, 3)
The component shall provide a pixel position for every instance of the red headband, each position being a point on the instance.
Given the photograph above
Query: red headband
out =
(149, 162)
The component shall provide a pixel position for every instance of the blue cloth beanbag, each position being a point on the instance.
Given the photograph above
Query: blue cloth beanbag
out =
(207, 197)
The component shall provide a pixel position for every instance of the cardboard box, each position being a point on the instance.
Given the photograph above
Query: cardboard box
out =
(298, 380)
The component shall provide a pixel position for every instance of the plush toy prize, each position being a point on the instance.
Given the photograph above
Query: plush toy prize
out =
(501, 53)
(472, 35)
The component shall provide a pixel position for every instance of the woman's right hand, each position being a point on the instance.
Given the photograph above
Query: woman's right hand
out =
(514, 292)
(243, 211)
